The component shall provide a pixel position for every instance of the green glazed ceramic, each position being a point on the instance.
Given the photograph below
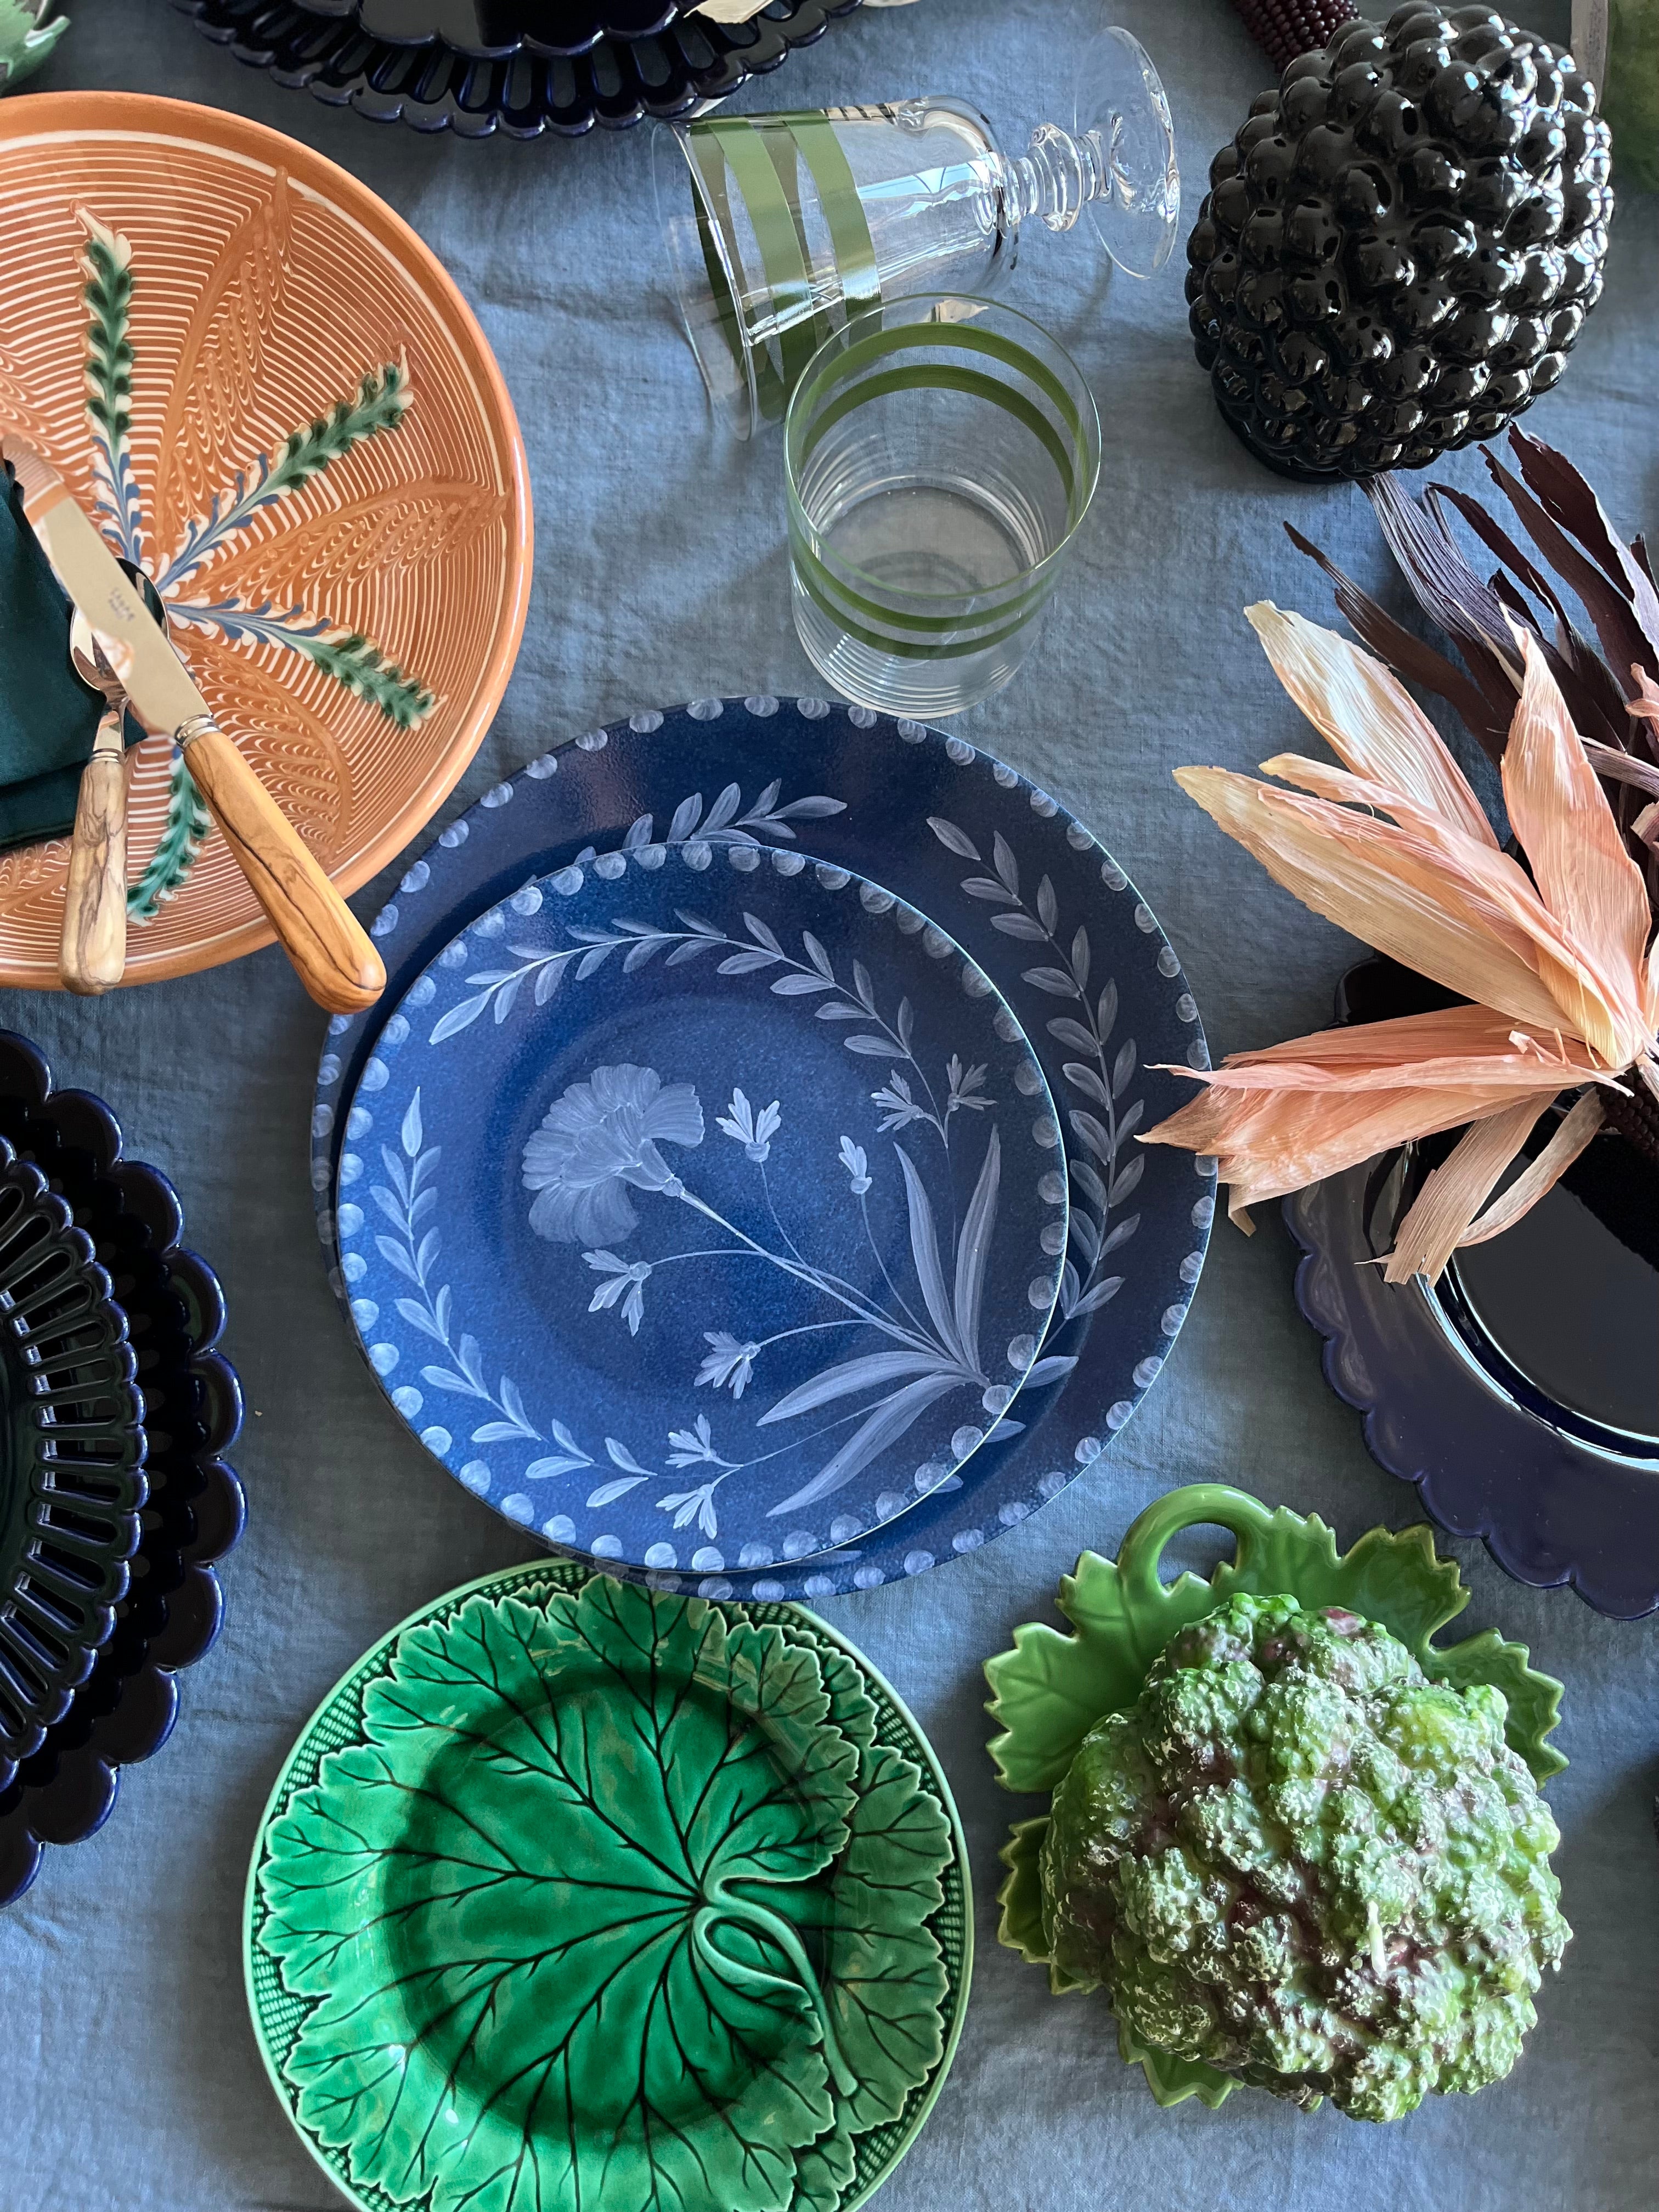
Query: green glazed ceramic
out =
(1049, 1691)
(26, 39)
(576, 1894)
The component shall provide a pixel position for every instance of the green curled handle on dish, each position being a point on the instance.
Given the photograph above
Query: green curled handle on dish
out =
(1198, 1504)
(1051, 1688)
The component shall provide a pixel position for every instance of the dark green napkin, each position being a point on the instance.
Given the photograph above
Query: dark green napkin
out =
(48, 716)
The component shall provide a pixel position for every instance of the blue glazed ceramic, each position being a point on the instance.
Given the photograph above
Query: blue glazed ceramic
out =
(536, 66)
(1518, 1394)
(1049, 915)
(719, 1212)
(171, 1614)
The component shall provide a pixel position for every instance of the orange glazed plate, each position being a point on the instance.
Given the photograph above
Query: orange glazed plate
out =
(278, 404)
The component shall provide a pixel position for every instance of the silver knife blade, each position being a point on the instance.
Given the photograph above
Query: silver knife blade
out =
(161, 689)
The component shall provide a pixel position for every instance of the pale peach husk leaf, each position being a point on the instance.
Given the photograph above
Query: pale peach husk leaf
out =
(1561, 994)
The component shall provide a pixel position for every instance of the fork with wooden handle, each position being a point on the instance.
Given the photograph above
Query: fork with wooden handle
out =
(92, 955)
(328, 945)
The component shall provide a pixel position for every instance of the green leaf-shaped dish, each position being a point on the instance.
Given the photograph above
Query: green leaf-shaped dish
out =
(26, 39)
(576, 1894)
(1049, 1691)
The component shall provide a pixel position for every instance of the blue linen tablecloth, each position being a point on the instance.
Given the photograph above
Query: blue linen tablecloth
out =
(127, 2072)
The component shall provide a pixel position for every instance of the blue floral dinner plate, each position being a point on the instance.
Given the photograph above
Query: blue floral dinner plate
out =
(719, 1212)
(1049, 915)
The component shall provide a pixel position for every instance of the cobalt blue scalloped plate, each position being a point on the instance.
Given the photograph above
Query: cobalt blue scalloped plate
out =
(170, 1614)
(695, 1084)
(72, 1458)
(505, 76)
(1050, 916)
(1521, 1395)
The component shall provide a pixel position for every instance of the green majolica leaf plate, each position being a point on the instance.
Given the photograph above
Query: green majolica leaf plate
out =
(1049, 1691)
(574, 1894)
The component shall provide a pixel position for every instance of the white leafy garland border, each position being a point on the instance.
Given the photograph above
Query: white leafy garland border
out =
(835, 1572)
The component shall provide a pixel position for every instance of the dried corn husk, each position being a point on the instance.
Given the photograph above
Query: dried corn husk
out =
(1608, 683)
(1564, 988)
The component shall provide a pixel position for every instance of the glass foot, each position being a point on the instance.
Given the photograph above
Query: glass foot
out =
(1119, 96)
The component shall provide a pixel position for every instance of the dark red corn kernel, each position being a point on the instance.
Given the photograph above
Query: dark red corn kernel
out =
(1286, 28)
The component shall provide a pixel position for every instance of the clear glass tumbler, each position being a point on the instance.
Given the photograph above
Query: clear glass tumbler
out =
(793, 223)
(940, 453)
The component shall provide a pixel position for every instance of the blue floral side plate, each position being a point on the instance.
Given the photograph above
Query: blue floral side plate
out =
(719, 1212)
(1049, 914)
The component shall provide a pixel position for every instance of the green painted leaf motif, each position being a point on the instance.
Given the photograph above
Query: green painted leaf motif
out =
(181, 841)
(588, 1986)
(379, 405)
(106, 264)
(358, 665)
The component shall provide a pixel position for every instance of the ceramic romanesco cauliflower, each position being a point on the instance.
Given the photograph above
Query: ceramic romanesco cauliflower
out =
(1299, 1860)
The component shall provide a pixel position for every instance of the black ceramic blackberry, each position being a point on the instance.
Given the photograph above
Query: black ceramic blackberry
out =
(1401, 244)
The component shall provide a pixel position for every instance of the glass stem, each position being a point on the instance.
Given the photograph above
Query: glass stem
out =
(1057, 176)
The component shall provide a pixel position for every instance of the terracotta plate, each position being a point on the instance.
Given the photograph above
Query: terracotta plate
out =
(319, 464)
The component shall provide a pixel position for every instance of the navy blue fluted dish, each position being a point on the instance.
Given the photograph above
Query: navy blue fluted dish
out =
(169, 1613)
(1521, 1395)
(516, 66)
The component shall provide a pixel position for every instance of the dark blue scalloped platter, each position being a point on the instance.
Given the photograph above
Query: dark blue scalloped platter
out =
(522, 67)
(1521, 1394)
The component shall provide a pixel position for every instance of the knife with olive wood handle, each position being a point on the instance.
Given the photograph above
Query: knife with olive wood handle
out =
(328, 947)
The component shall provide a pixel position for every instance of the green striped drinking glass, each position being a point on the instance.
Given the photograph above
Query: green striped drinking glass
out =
(940, 454)
(781, 227)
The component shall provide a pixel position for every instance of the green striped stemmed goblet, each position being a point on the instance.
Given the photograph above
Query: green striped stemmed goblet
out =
(780, 228)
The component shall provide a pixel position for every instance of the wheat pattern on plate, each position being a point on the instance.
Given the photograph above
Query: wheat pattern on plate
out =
(204, 559)
(277, 407)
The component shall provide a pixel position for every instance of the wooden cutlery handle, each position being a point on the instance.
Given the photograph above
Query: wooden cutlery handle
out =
(328, 947)
(94, 953)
